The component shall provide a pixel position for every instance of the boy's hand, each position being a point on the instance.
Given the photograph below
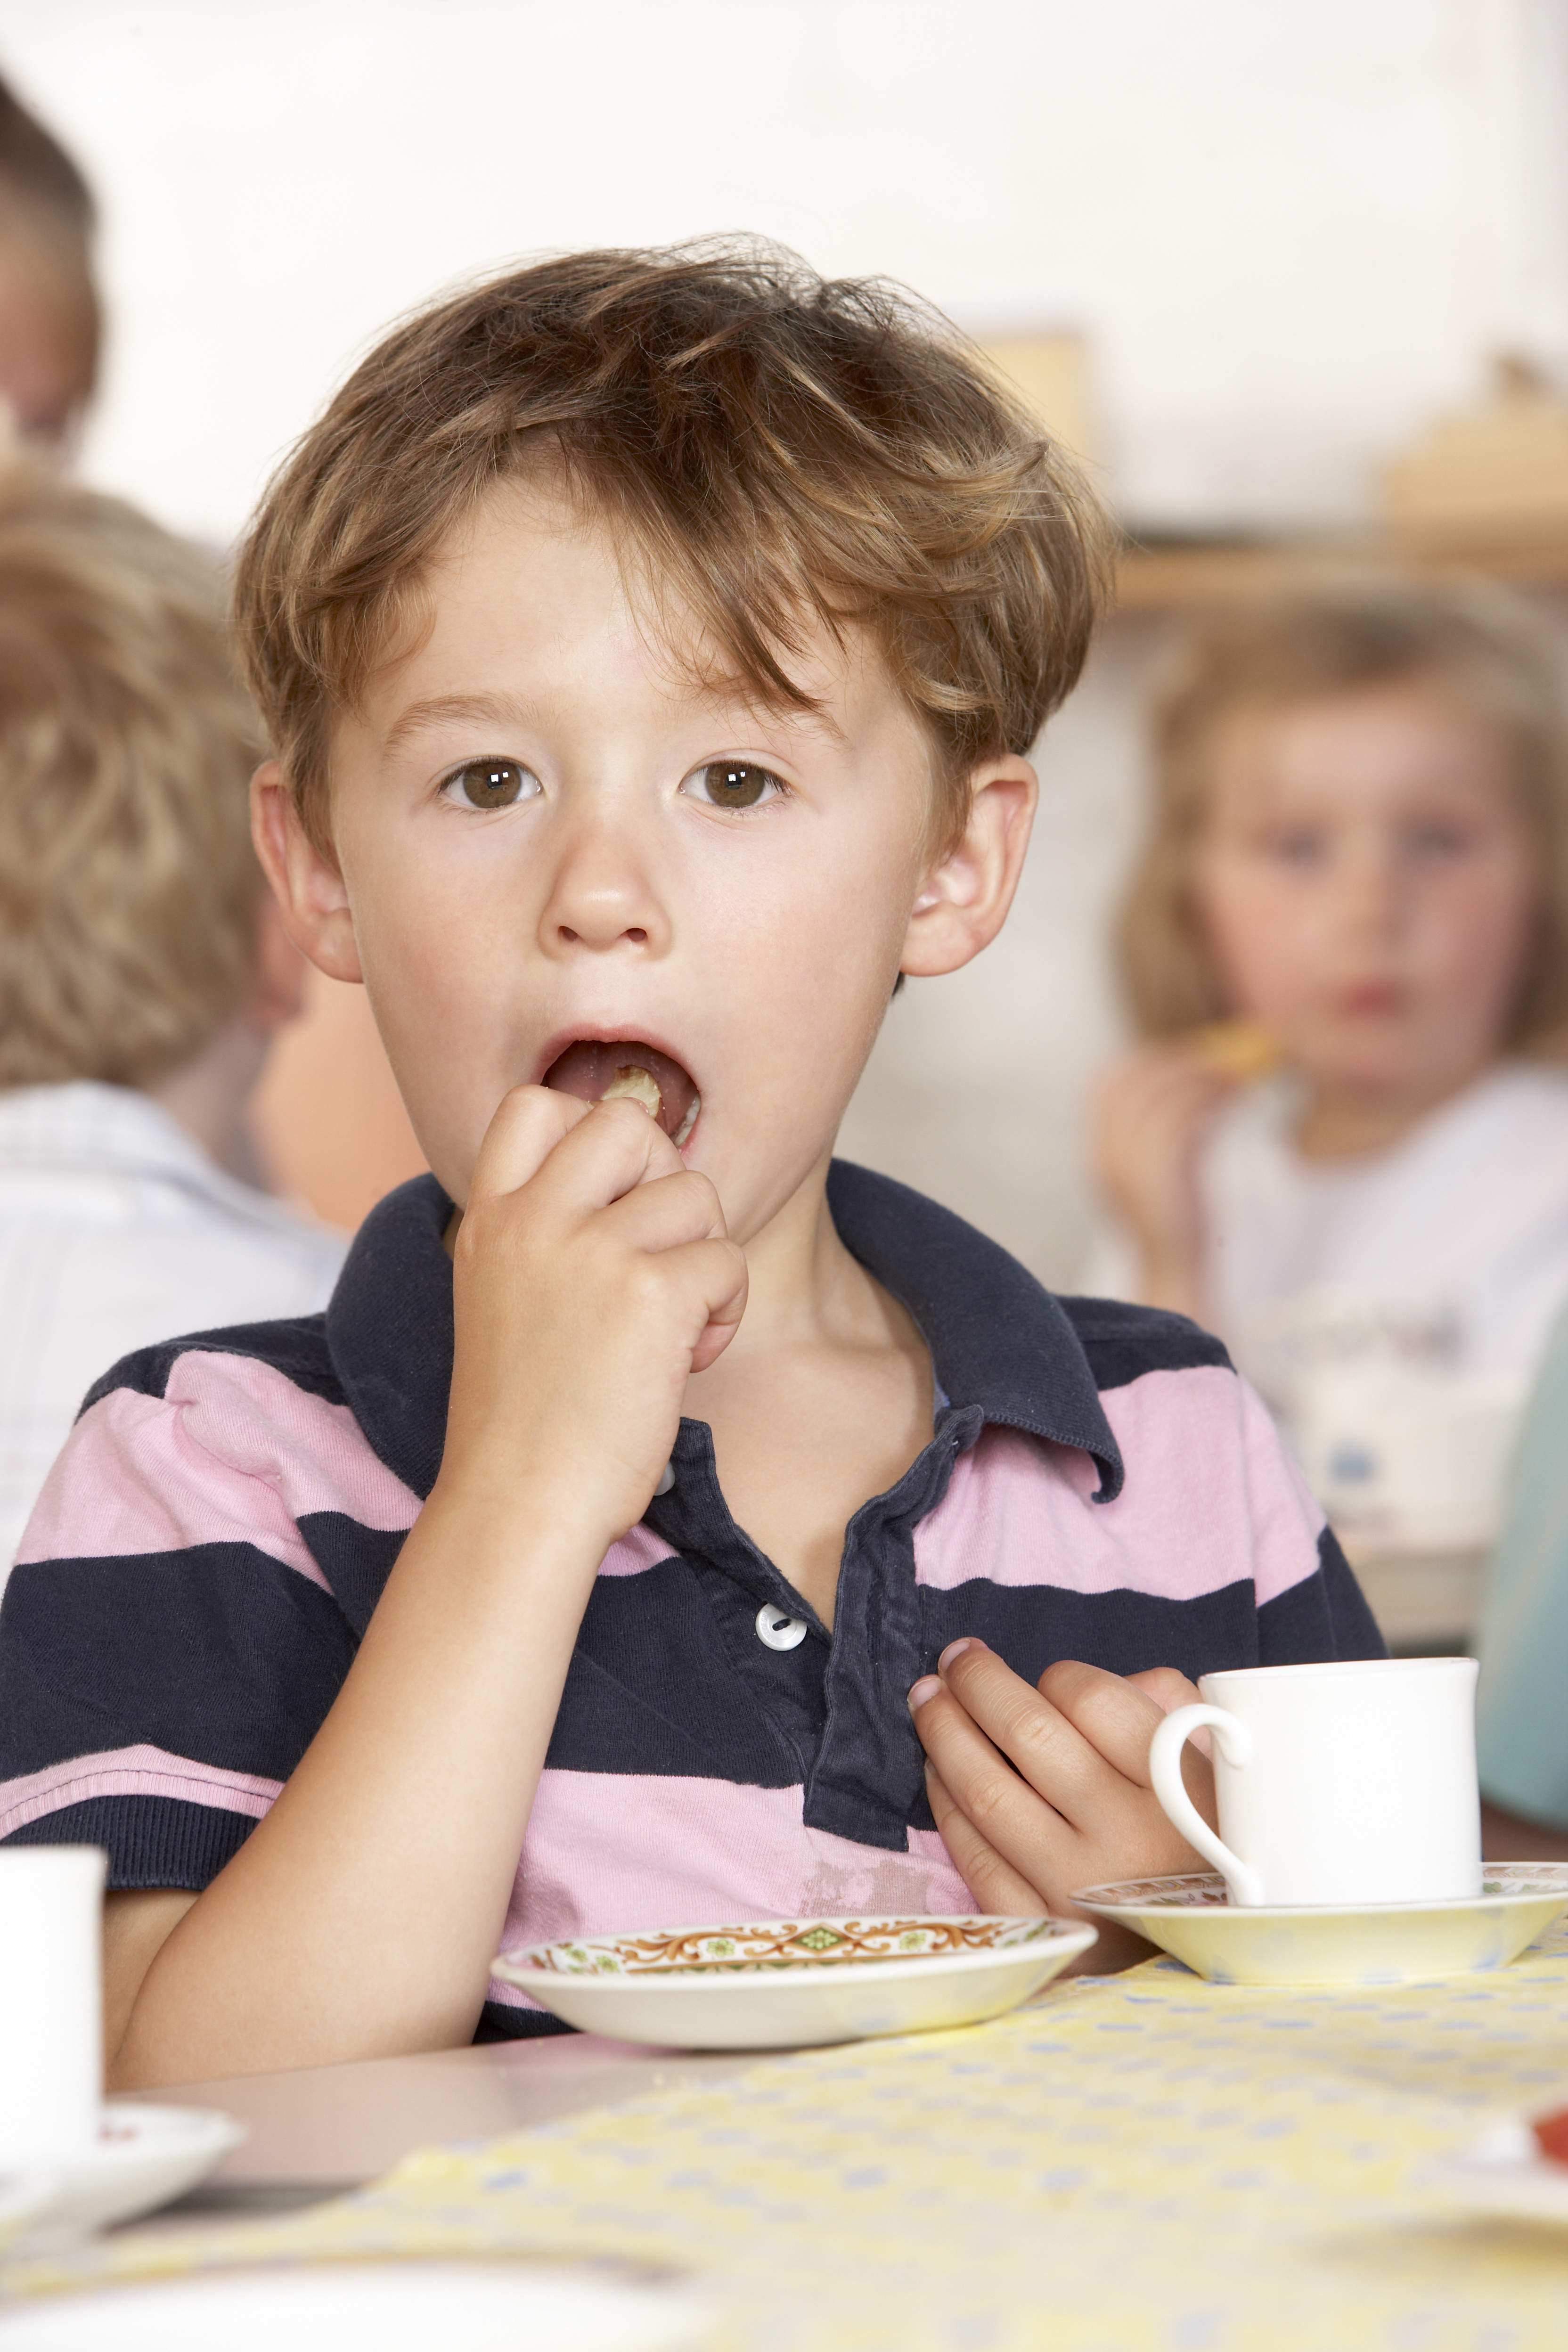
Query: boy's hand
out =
(592, 1276)
(1037, 1792)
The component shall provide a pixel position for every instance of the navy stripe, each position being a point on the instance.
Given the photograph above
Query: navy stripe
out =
(648, 1689)
(294, 1345)
(1123, 1342)
(150, 1841)
(1033, 1626)
(355, 1561)
(219, 1654)
(499, 2022)
(1324, 1616)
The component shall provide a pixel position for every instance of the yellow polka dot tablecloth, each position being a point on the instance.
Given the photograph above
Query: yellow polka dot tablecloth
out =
(1142, 2164)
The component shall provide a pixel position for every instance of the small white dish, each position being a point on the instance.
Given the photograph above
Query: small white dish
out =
(382, 2306)
(23, 2195)
(1505, 2173)
(794, 1984)
(1337, 1944)
(143, 2157)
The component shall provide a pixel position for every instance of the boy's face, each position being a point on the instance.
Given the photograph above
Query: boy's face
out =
(1368, 885)
(553, 843)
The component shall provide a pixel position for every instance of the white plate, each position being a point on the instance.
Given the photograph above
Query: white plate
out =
(1384, 1943)
(793, 1984)
(382, 2306)
(1504, 2172)
(142, 2158)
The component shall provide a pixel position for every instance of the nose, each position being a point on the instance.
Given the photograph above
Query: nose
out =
(603, 897)
(1371, 894)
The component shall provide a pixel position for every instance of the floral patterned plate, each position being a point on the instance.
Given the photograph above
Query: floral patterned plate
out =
(785, 1984)
(1337, 1944)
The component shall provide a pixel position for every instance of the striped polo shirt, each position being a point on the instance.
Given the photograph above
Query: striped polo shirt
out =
(209, 1546)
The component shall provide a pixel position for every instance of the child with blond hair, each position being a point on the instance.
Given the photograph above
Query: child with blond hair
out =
(1343, 1142)
(665, 1521)
(143, 971)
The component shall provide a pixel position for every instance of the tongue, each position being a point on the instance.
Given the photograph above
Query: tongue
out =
(590, 1067)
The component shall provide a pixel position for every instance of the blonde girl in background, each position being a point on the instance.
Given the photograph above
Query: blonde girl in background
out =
(1343, 1143)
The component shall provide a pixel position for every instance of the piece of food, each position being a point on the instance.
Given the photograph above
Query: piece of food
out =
(597, 1068)
(632, 1085)
(1552, 2134)
(1241, 1050)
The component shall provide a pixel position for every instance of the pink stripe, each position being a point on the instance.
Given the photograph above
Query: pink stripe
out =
(1211, 1498)
(637, 1549)
(131, 1772)
(612, 1850)
(234, 1452)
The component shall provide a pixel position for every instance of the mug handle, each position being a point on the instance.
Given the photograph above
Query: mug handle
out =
(1242, 1882)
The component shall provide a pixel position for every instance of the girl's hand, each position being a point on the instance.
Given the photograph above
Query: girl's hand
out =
(1150, 1116)
(1039, 1791)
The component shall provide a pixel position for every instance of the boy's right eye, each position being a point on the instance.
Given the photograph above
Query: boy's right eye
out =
(490, 785)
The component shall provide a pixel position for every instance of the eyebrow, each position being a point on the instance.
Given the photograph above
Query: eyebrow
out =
(444, 710)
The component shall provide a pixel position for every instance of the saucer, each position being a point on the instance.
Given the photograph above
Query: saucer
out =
(397, 2307)
(143, 2157)
(1505, 2173)
(794, 1984)
(1333, 1944)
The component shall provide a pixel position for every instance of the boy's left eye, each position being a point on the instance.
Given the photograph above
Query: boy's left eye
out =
(732, 784)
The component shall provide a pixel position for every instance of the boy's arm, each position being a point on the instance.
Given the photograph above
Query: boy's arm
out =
(590, 1275)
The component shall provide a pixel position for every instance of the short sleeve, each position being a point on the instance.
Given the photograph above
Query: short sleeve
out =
(168, 1645)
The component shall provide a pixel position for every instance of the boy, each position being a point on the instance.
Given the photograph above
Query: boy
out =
(650, 645)
(143, 971)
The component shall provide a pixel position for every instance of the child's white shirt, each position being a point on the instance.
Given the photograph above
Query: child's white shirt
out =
(1448, 1251)
(116, 1229)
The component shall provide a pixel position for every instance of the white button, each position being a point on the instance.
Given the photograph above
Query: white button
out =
(665, 1479)
(779, 1632)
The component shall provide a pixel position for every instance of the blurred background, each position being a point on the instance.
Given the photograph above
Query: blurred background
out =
(1287, 276)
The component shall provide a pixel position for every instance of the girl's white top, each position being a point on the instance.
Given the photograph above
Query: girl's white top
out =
(1447, 1253)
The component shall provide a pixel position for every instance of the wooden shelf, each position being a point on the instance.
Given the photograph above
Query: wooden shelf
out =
(1174, 574)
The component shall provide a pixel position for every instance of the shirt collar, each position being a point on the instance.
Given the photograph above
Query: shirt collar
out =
(1000, 1342)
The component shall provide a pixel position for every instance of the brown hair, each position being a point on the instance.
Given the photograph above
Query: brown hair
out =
(48, 219)
(129, 889)
(777, 450)
(1471, 642)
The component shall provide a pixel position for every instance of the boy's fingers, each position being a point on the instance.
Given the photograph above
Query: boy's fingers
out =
(995, 1886)
(1042, 1744)
(1015, 1819)
(528, 1124)
(665, 1210)
(1114, 1716)
(580, 1157)
(717, 1273)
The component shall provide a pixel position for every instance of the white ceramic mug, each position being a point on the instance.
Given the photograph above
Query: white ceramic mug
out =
(51, 2001)
(1348, 1783)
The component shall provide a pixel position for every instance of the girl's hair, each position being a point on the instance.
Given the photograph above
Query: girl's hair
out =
(775, 451)
(129, 888)
(1473, 643)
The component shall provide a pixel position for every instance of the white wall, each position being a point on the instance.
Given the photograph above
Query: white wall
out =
(1289, 225)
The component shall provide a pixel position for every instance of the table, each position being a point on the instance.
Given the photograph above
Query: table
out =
(323, 2130)
(1146, 2163)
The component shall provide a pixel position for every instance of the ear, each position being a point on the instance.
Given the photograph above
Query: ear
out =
(312, 901)
(964, 900)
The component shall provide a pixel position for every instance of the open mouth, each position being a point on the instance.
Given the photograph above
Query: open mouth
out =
(594, 1067)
